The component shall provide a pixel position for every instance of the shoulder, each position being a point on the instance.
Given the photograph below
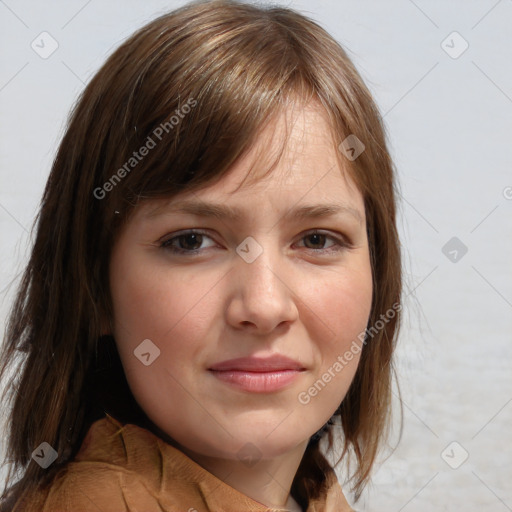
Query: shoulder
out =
(89, 487)
(103, 476)
(73, 491)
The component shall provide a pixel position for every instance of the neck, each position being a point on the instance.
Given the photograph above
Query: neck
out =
(268, 482)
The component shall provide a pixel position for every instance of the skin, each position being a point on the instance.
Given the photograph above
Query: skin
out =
(305, 297)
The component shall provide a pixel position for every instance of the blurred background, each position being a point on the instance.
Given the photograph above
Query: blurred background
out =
(441, 73)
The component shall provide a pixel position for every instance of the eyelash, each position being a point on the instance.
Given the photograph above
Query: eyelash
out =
(166, 244)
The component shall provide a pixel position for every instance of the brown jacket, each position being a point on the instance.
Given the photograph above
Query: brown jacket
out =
(129, 469)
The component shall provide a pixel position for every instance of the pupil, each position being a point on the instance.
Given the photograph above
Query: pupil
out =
(316, 236)
(192, 238)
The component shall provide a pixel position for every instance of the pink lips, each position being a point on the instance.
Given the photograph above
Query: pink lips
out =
(258, 375)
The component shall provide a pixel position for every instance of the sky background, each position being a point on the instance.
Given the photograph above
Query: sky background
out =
(441, 75)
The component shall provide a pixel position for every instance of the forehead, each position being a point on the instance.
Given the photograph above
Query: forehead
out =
(296, 144)
(293, 160)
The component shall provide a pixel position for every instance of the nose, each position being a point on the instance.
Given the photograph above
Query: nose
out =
(262, 296)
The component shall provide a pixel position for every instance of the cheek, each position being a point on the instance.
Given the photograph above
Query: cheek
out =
(339, 309)
(177, 311)
(354, 305)
(155, 302)
(342, 303)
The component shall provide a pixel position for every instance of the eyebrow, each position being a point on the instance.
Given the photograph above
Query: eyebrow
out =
(222, 212)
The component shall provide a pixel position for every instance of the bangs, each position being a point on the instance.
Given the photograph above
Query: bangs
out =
(193, 117)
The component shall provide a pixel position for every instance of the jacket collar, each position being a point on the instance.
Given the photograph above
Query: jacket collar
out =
(174, 480)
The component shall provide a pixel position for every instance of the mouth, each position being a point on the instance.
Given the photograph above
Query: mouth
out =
(258, 381)
(258, 374)
(272, 363)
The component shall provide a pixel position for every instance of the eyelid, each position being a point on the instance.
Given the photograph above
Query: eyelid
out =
(341, 241)
(191, 231)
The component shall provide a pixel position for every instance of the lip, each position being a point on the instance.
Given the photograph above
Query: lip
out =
(272, 363)
(258, 374)
(257, 382)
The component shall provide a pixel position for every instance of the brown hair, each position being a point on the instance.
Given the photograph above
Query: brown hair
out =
(235, 65)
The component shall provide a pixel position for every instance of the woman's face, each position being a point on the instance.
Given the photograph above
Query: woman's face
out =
(252, 286)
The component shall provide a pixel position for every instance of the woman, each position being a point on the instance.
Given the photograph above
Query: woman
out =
(215, 278)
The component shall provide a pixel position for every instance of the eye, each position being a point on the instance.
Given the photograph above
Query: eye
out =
(317, 238)
(188, 242)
